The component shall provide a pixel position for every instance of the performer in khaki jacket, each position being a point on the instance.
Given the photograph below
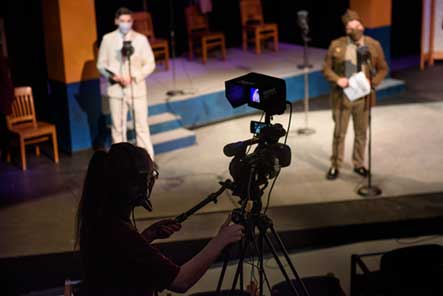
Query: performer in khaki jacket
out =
(115, 68)
(340, 64)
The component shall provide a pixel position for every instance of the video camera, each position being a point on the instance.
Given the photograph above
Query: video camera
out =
(251, 171)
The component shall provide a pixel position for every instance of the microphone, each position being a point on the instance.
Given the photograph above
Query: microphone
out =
(302, 20)
(267, 134)
(127, 48)
(143, 201)
(364, 53)
(365, 57)
(146, 203)
(238, 147)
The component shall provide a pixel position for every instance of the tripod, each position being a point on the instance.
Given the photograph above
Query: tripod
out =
(369, 190)
(263, 224)
(252, 219)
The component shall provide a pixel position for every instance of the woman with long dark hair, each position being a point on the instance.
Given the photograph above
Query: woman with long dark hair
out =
(117, 259)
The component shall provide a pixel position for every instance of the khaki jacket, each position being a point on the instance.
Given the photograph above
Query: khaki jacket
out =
(110, 58)
(334, 67)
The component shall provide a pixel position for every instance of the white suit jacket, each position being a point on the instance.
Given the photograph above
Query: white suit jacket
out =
(110, 58)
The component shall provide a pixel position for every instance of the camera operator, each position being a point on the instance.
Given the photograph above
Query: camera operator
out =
(123, 87)
(117, 259)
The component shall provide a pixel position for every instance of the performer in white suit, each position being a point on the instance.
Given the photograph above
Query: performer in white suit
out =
(115, 68)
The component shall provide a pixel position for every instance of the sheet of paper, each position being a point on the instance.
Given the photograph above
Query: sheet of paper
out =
(358, 87)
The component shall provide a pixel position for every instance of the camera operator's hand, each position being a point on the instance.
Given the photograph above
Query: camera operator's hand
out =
(161, 229)
(229, 233)
(193, 270)
(343, 82)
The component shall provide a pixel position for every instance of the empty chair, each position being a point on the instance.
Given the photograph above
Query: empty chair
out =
(160, 47)
(254, 29)
(199, 33)
(23, 123)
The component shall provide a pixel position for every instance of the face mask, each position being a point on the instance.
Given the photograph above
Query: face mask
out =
(124, 27)
(355, 34)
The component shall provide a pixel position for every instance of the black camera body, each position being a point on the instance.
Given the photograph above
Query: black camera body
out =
(264, 163)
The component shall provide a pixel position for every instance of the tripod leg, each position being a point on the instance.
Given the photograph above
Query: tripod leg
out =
(262, 270)
(239, 272)
(259, 249)
(288, 259)
(223, 272)
(280, 264)
(243, 250)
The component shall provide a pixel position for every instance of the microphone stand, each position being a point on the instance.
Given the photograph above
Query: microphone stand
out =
(127, 52)
(369, 190)
(306, 66)
(174, 91)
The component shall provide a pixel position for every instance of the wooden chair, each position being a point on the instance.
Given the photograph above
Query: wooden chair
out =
(72, 288)
(198, 33)
(23, 123)
(160, 47)
(254, 29)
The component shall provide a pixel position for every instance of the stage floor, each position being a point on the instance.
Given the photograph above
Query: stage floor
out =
(38, 206)
(407, 140)
(196, 78)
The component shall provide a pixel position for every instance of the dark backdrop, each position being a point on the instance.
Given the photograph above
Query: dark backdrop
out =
(26, 49)
(406, 28)
(324, 18)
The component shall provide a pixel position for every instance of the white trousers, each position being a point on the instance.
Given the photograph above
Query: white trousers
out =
(119, 111)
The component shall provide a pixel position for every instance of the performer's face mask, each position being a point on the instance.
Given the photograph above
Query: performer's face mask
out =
(355, 34)
(124, 27)
(124, 23)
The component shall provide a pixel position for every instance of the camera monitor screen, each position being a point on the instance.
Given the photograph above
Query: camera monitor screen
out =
(259, 91)
(254, 95)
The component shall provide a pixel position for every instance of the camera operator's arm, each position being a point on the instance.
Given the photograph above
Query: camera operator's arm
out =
(195, 268)
(147, 62)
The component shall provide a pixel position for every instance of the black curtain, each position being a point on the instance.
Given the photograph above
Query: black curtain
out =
(26, 49)
(406, 28)
(325, 18)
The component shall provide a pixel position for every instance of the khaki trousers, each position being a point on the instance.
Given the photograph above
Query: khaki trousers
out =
(341, 115)
(119, 111)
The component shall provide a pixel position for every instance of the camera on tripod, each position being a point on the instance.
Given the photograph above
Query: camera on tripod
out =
(252, 171)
